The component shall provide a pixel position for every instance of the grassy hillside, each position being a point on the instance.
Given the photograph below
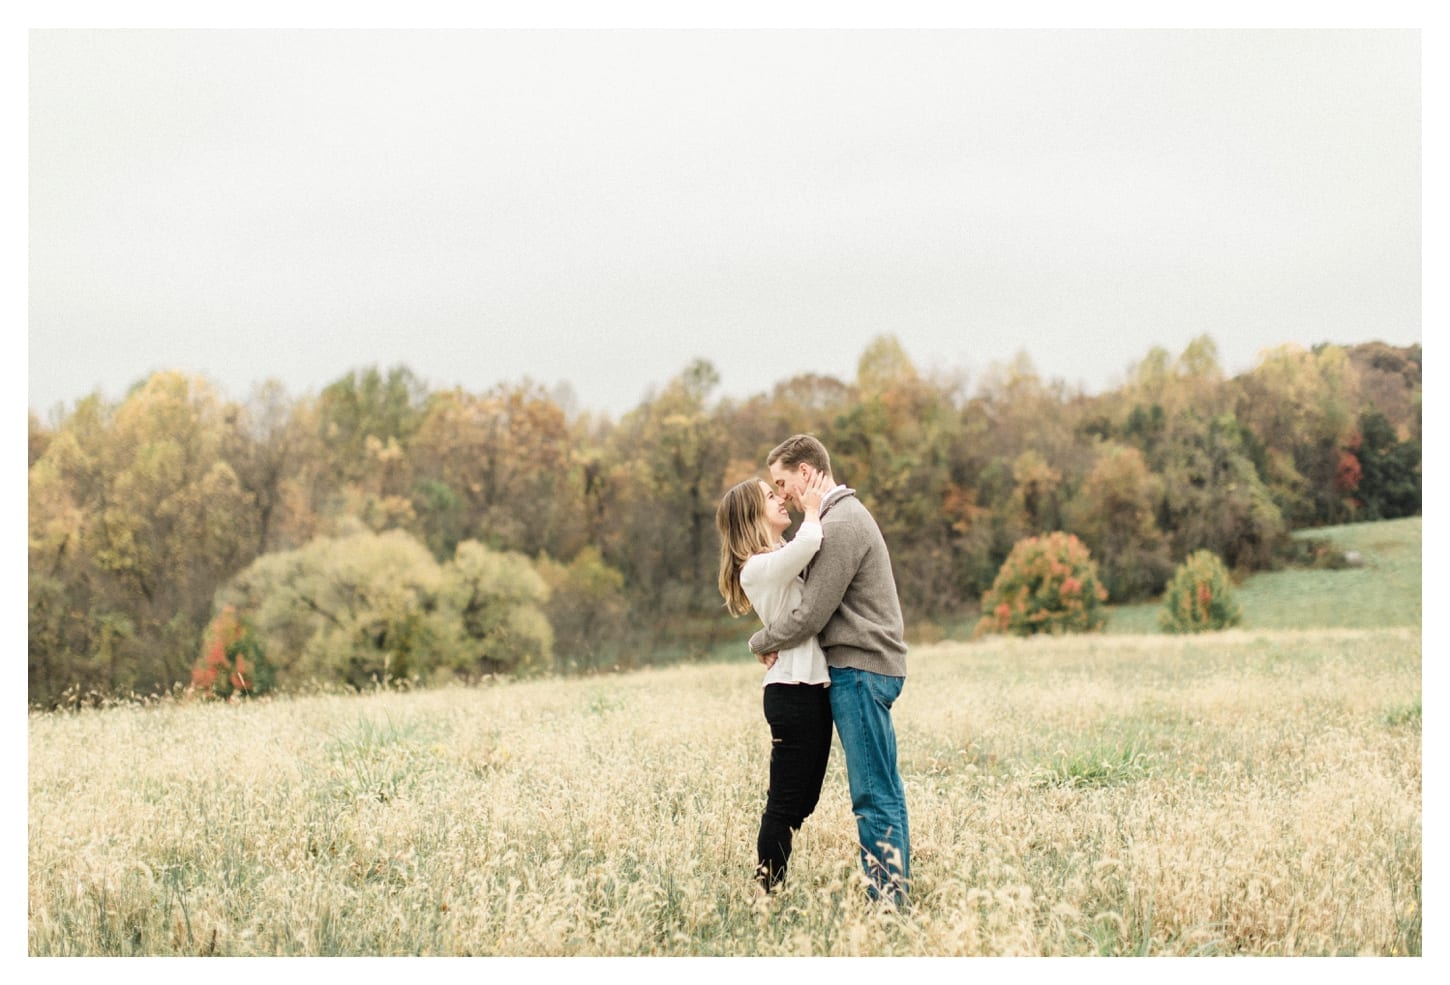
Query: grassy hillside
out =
(1385, 591)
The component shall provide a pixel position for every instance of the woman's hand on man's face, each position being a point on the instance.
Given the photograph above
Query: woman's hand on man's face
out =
(814, 491)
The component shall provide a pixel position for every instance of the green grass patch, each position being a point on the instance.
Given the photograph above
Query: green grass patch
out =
(1406, 715)
(1385, 591)
(1093, 766)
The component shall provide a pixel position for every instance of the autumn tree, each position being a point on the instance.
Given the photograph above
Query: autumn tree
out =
(1048, 584)
(1199, 597)
(39, 439)
(1391, 383)
(363, 423)
(1115, 514)
(1036, 499)
(232, 662)
(1020, 456)
(139, 510)
(274, 452)
(1300, 406)
(367, 403)
(135, 517)
(897, 447)
(665, 474)
(499, 468)
(1194, 378)
(588, 609)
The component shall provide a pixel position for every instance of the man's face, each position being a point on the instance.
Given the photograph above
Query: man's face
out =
(790, 482)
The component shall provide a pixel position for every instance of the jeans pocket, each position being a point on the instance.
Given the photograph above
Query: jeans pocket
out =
(884, 690)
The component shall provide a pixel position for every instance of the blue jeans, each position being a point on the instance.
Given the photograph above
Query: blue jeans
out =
(861, 706)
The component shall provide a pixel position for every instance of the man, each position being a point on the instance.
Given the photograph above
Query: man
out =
(850, 605)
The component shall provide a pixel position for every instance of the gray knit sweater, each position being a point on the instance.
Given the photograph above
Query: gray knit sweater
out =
(850, 598)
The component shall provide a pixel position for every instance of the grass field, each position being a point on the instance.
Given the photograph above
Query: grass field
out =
(1250, 792)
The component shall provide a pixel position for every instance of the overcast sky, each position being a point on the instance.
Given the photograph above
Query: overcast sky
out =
(600, 208)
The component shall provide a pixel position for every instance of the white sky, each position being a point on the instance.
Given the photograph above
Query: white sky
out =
(598, 208)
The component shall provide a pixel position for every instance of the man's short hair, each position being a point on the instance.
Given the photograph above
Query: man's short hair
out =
(800, 448)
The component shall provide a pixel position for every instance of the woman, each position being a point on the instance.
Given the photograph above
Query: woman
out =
(759, 570)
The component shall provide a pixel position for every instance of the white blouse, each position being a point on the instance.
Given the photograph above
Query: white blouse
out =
(773, 583)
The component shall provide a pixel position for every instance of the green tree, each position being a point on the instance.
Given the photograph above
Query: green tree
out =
(1390, 480)
(1213, 497)
(371, 607)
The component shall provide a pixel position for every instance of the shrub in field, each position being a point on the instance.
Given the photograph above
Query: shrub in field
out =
(369, 607)
(1199, 597)
(232, 660)
(348, 609)
(487, 615)
(1048, 584)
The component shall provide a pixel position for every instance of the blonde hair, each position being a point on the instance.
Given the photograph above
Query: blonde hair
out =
(740, 520)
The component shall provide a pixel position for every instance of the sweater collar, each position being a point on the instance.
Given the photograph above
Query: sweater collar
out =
(835, 496)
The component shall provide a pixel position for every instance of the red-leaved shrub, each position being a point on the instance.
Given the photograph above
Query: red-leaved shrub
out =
(231, 661)
(1048, 584)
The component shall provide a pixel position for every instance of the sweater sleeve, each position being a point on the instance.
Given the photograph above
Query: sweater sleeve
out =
(835, 566)
(778, 567)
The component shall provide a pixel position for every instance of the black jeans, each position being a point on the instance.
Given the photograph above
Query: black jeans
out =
(800, 731)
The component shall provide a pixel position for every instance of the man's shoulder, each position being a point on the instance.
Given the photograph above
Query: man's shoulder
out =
(847, 526)
(848, 508)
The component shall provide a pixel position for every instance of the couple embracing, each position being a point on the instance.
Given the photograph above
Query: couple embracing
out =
(833, 649)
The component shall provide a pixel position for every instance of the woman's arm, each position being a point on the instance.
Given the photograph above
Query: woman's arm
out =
(778, 567)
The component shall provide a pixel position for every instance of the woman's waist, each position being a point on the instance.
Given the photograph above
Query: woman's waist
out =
(801, 664)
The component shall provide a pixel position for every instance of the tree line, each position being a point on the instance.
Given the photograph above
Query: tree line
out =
(382, 529)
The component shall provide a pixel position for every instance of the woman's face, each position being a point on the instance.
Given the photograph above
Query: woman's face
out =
(775, 512)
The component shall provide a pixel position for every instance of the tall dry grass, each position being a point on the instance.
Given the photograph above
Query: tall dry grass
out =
(1239, 793)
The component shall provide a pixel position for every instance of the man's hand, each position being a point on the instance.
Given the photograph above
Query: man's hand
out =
(768, 659)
